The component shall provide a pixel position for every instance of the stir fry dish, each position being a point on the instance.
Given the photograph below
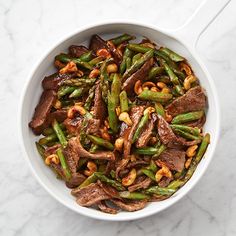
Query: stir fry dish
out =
(121, 122)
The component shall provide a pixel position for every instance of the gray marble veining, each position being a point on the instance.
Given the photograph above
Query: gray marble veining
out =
(27, 29)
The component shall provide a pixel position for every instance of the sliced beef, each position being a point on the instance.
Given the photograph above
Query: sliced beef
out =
(140, 185)
(121, 166)
(97, 43)
(71, 155)
(77, 50)
(103, 207)
(165, 132)
(137, 163)
(145, 134)
(81, 152)
(90, 195)
(193, 100)
(140, 74)
(59, 115)
(53, 81)
(42, 110)
(164, 182)
(112, 192)
(100, 110)
(114, 52)
(168, 137)
(131, 205)
(174, 159)
(72, 125)
(52, 150)
(135, 115)
(93, 126)
(75, 180)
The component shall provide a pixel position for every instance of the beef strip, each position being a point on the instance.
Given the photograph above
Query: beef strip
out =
(164, 182)
(140, 185)
(137, 163)
(140, 74)
(97, 43)
(193, 100)
(103, 207)
(90, 195)
(93, 126)
(75, 180)
(42, 110)
(72, 125)
(101, 155)
(52, 150)
(59, 115)
(145, 134)
(53, 81)
(100, 110)
(114, 52)
(112, 192)
(174, 159)
(131, 205)
(168, 137)
(135, 115)
(77, 50)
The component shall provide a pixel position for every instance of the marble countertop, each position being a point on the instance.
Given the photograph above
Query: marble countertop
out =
(27, 29)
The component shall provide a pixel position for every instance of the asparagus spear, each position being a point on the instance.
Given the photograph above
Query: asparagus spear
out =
(122, 38)
(173, 55)
(63, 163)
(59, 133)
(187, 117)
(160, 191)
(101, 142)
(133, 195)
(155, 96)
(124, 105)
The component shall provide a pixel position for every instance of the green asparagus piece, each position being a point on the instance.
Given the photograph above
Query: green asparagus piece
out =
(186, 135)
(90, 97)
(122, 38)
(160, 191)
(164, 78)
(133, 195)
(50, 130)
(155, 96)
(76, 93)
(175, 184)
(101, 142)
(149, 174)
(179, 90)
(174, 79)
(65, 59)
(140, 126)
(84, 81)
(159, 109)
(124, 104)
(136, 57)
(146, 151)
(145, 57)
(47, 139)
(111, 182)
(95, 61)
(63, 163)
(59, 133)
(160, 149)
(194, 131)
(91, 179)
(201, 150)
(115, 89)
(187, 117)
(127, 53)
(40, 150)
(65, 90)
(172, 55)
(155, 71)
(128, 63)
(152, 166)
(112, 116)
(87, 56)
(113, 174)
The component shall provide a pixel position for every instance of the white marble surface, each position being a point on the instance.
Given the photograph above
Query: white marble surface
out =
(27, 29)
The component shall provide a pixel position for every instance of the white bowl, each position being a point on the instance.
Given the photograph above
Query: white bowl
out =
(33, 90)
